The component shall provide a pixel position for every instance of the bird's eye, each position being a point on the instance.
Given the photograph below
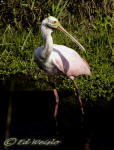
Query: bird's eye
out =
(54, 22)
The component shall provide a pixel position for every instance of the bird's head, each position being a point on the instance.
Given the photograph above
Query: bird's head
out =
(53, 23)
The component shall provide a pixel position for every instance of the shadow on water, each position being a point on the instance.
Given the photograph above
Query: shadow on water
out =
(32, 118)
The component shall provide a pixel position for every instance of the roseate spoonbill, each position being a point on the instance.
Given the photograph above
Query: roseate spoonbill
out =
(59, 59)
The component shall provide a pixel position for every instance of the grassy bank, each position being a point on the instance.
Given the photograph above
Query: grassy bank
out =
(19, 42)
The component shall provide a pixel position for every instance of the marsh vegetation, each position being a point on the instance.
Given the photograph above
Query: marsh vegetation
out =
(89, 21)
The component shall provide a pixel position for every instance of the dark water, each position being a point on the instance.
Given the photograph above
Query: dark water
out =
(32, 118)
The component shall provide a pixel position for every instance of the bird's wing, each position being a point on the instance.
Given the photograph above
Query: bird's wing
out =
(69, 61)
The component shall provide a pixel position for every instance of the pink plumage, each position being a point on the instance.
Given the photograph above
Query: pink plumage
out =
(69, 61)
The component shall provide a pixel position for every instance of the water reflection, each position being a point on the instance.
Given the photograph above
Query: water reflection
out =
(32, 118)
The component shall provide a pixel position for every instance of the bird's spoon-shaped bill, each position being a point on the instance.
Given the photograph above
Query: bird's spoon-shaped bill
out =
(71, 37)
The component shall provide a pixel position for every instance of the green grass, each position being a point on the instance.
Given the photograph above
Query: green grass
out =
(18, 44)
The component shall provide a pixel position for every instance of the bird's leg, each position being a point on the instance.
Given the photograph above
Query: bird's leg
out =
(57, 102)
(56, 98)
(56, 110)
(79, 96)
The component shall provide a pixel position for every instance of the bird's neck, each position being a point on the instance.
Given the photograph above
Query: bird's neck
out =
(48, 41)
